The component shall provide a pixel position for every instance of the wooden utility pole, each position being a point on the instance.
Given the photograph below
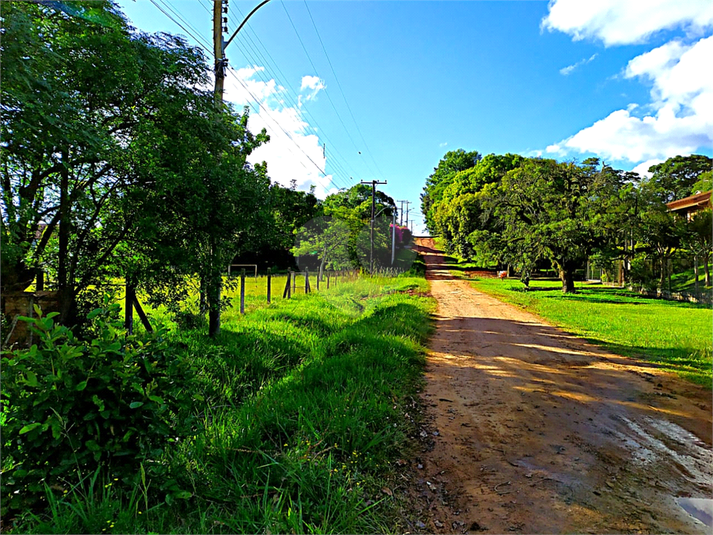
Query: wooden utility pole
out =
(373, 183)
(220, 27)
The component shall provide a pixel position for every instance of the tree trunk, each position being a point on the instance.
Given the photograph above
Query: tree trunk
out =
(213, 291)
(567, 277)
(695, 271)
(707, 269)
(66, 297)
(203, 305)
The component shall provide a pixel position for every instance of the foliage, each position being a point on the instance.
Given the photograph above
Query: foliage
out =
(557, 210)
(443, 174)
(677, 177)
(71, 407)
(310, 403)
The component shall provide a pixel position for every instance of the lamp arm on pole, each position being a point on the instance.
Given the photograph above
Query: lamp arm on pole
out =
(243, 23)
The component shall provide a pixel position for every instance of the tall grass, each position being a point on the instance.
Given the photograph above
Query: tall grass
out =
(306, 402)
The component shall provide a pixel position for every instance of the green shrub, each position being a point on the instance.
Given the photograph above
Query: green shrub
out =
(72, 407)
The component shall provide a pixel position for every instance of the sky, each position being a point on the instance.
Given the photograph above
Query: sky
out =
(353, 90)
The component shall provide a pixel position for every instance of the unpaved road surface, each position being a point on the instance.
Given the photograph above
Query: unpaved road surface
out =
(532, 430)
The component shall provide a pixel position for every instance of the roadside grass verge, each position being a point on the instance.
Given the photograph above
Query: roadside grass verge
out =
(676, 335)
(302, 422)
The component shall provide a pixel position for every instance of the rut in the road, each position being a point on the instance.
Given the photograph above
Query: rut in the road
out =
(540, 432)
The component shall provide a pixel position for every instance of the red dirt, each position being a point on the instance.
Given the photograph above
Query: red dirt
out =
(533, 430)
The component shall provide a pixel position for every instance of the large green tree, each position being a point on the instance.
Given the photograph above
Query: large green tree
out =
(78, 94)
(562, 210)
(443, 174)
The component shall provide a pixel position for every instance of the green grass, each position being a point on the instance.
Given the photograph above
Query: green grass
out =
(676, 335)
(306, 411)
(686, 281)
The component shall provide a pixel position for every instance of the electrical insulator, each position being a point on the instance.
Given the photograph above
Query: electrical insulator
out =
(225, 29)
(225, 9)
(225, 20)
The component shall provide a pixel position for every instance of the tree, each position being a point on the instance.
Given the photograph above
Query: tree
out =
(327, 238)
(451, 163)
(460, 211)
(81, 104)
(677, 176)
(560, 209)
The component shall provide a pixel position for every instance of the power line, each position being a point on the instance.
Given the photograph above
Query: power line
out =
(339, 85)
(246, 40)
(331, 102)
(255, 99)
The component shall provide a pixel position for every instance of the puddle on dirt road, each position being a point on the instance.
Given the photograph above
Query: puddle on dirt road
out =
(699, 508)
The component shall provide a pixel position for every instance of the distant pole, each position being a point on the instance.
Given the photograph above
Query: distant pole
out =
(294, 282)
(373, 183)
(393, 240)
(306, 281)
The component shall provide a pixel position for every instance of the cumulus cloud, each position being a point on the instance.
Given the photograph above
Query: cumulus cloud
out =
(682, 100)
(617, 22)
(294, 151)
(679, 117)
(643, 168)
(313, 84)
(566, 71)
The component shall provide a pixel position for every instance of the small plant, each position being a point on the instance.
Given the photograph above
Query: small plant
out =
(71, 407)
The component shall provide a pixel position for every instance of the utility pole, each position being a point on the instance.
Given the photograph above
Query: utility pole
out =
(393, 239)
(220, 27)
(373, 183)
(406, 211)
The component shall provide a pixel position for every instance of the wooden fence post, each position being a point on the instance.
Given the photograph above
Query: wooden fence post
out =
(288, 286)
(327, 280)
(269, 284)
(242, 291)
(294, 282)
(129, 309)
(318, 274)
(307, 288)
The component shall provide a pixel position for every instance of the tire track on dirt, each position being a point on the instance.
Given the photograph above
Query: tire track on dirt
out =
(537, 431)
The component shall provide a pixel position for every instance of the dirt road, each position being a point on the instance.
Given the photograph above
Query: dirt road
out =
(532, 430)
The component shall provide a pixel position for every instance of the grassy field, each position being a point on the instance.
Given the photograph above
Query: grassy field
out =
(677, 335)
(306, 411)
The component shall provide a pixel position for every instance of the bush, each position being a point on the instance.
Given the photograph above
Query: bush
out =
(72, 408)
(642, 274)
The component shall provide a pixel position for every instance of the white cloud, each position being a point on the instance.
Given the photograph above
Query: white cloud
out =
(444, 144)
(314, 84)
(294, 151)
(679, 117)
(643, 168)
(682, 97)
(620, 22)
(566, 71)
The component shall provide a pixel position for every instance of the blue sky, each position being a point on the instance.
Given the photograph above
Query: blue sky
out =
(402, 82)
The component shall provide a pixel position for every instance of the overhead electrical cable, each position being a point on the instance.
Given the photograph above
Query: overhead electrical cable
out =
(325, 89)
(339, 85)
(338, 161)
(201, 42)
